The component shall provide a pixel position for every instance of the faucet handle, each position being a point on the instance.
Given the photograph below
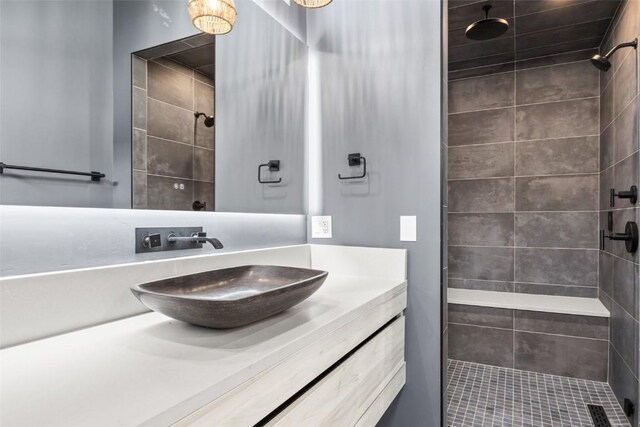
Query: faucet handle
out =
(152, 241)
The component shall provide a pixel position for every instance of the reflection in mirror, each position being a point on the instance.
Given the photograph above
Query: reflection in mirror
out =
(173, 142)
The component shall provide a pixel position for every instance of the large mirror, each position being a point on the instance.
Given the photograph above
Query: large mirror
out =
(158, 114)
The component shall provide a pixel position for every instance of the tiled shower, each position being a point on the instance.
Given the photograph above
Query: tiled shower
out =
(537, 139)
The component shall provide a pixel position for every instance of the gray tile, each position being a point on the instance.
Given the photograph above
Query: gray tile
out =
(577, 267)
(606, 106)
(139, 72)
(556, 83)
(624, 336)
(624, 84)
(176, 66)
(606, 148)
(196, 57)
(488, 346)
(478, 49)
(557, 17)
(605, 282)
(481, 71)
(480, 263)
(139, 108)
(204, 78)
(626, 27)
(139, 149)
(492, 229)
(163, 49)
(557, 48)
(203, 164)
(205, 137)
(204, 192)
(557, 290)
(481, 195)
(481, 161)
(557, 193)
(169, 193)
(170, 86)
(557, 229)
(481, 316)
(559, 355)
(605, 300)
(576, 33)
(139, 190)
(623, 383)
(479, 127)
(625, 174)
(625, 285)
(169, 122)
(557, 156)
(581, 55)
(557, 119)
(204, 97)
(481, 285)
(625, 134)
(481, 93)
(169, 158)
(562, 324)
(606, 184)
(481, 61)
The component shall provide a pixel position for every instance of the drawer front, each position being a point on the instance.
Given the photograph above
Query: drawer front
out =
(343, 396)
(253, 400)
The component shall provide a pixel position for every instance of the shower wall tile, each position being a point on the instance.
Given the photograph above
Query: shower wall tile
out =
(139, 72)
(203, 98)
(560, 355)
(204, 192)
(557, 229)
(557, 119)
(170, 86)
(203, 78)
(479, 127)
(203, 164)
(481, 285)
(605, 281)
(606, 184)
(557, 156)
(490, 346)
(480, 263)
(139, 190)
(169, 158)
(562, 324)
(162, 193)
(625, 174)
(139, 156)
(624, 287)
(556, 83)
(606, 148)
(621, 379)
(606, 106)
(626, 28)
(481, 316)
(557, 193)
(573, 267)
(623, 336)
(491, 229)
(580, 55)
(556, 290)
(625, 131)
(624, 87)
(481, 195)
(139, 108)
(481, 93)
(481, 71)
(169, 122)
(481, 161)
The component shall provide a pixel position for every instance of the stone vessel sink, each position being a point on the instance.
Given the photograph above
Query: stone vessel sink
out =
(230, 297)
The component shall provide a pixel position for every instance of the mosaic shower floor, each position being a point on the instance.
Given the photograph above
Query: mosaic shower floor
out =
(482, 395)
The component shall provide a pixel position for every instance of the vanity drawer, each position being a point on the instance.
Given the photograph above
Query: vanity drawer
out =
(345, 394)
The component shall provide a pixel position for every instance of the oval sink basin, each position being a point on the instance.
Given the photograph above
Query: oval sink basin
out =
(230, 297)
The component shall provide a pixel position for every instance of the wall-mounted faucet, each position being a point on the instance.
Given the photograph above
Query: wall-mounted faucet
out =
(172, 239)
(195, 238)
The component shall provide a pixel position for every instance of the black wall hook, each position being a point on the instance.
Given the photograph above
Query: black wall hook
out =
(629, 237)
(274, 166)
(355, 159)
(632, 195)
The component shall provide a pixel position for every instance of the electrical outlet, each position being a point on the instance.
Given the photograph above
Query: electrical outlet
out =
(320, 227)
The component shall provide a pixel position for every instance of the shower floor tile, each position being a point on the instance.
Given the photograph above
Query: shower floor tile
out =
(482, 395)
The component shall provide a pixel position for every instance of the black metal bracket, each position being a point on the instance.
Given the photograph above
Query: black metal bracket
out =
(95, 176)
(355, 159)
(632, 195)
(274, 166)
(629, 237)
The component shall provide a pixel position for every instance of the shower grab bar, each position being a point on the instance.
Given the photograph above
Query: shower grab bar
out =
(95, 176)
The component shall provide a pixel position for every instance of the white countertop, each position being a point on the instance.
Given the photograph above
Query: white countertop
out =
(530, 302)
(153, 369)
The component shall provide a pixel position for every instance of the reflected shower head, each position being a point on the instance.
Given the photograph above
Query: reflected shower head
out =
(208, 120)
(602, 63)
(487, 28)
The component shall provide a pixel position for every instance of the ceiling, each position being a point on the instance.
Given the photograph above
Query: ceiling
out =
(196, 52)
(536, 28)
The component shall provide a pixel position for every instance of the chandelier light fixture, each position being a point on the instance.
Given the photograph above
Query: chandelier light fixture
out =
(313, 4)
(213, 16)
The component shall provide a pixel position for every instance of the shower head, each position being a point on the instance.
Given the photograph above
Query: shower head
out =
(487, 28)
(602, 63)
(208, 120)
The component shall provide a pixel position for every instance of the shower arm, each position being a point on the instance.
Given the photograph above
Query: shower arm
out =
(633, 44)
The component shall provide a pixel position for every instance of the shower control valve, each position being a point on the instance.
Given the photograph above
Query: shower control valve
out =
(632, 195)
(629, 237)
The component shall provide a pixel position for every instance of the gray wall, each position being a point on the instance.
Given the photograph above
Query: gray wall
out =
(261, 74)
(619, 289)
(375, 89)
(523, 178)
(57, 102)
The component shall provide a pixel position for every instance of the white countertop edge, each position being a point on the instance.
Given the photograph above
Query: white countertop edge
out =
(529, 302)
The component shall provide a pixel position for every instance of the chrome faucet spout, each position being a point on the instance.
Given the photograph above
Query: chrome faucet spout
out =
(196, 238)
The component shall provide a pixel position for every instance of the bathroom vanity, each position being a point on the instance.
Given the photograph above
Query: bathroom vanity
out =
(336, 359)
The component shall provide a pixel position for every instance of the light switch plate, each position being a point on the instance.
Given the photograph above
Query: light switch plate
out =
(320, 227)
(408, 229)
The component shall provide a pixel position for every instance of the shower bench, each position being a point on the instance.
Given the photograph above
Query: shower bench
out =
(557, 335)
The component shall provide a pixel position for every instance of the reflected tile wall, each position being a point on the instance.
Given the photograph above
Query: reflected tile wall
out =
(172, 165)
(523, 177)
